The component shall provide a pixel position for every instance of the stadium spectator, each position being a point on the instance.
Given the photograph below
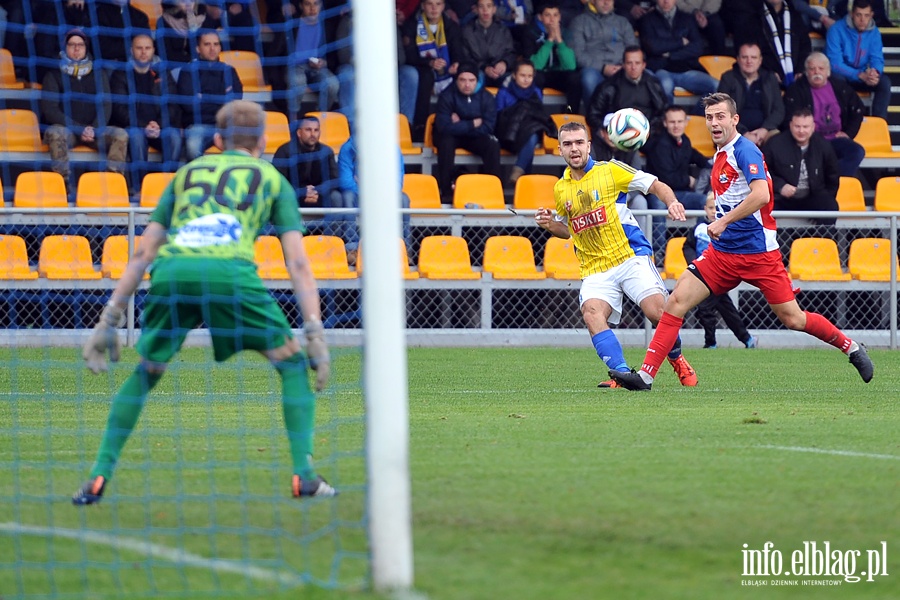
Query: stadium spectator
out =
(613, 254)
(205, 85)
(433, 45)
(177, 34)
(695, 244)
(816, 18)
(488, 44)
(782, 38)
(118, 23)
(757, 94)
(139, 94)
(236, 22)
(633, 10)
(544, 44)
(631, 87)
(673, 45)
(598, 40)
(670, 157)
(345, 225)
(706, 14)
(838, 9)
(52, 19)
(407, 81)
(743, 248)
(856, 52)
(75, 105)
(465, 118)
(521, 119)
(515, 14)
(804, 167)
(837, 110)
(307, 62)
(207, 273)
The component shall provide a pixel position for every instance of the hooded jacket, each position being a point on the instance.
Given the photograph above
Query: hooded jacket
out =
(851, 52)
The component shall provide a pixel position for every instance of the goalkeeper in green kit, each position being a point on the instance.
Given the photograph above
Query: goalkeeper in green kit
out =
(200, 242)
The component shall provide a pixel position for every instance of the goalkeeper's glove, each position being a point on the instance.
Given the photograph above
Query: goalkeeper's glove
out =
(317, 352)
(104, 337)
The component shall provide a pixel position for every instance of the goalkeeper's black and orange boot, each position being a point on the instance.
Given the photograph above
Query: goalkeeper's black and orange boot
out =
(311, 488)
(91, 492)
(684, 370)
(609, 383)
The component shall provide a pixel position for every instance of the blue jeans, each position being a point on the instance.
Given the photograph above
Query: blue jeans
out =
(696, 82)
(881, 93)
(408, 78)
(849, 155)
(526, 153)
(318, 80)
(590, 79)
(168, 143)
(197, 138)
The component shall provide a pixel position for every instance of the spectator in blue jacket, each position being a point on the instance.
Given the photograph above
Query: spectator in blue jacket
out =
(204, 86)
(856, 52)
(465, 118)
(344, 225)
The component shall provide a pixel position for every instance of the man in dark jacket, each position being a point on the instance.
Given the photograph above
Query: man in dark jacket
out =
(632, 87)
(489, 44)
(782, 37)
(837, 110)
(310, 166)
(803, 167)
(137, 91)
(204, 86)
(117, 22)
(465, 118)
(756, 93)
(433, 44)
(75, 104)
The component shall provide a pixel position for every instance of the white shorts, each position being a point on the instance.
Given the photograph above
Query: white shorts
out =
(636, 278)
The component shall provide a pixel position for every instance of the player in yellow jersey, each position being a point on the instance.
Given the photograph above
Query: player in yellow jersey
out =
(616, 258)
(200, 245)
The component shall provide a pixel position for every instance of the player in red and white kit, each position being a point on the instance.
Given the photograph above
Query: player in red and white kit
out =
(743, 248)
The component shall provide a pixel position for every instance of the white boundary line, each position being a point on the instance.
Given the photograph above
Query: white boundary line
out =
(152, 550)
(832, 452)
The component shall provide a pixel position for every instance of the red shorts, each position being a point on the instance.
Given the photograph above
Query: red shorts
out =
(722, 272)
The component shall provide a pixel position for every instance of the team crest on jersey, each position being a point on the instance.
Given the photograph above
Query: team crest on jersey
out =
(209, 230)
(596, 195)
(592, 219)
(568, 206)
(723, 178)
(754, 169)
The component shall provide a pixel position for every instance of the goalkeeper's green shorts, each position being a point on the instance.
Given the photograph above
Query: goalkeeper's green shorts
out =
(224, 294)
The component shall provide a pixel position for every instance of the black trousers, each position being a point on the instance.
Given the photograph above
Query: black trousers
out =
(708, 313)
(485, 146)
(567, 82)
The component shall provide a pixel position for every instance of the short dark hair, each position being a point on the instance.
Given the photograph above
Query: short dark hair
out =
(544, 6)
(674, 108)
(633, 48)
(308, 118)
(861, 4)
(803, 111)
(719, 98)
(524, 62)
(573, 126)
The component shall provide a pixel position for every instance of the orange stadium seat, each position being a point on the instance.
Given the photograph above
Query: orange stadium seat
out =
(551, 144)
(152, 187)
(249, 69)
(8, 72)
(334, 127)
(404, 262)
(675, 263)
(270, 258)
(445, 257)
(102, 189)
(115, 256)
(406, 144)
(479, 191)
(151, 8)
(328, 257)
(887, 194)
(534, 191)
(695, 129)
(66, 257)
(19, 131)
(874, 136)
(560, 261)
(14, 259)
(422, 190)
(850, 195)
(715, 65)
(278, 130)
(870, 259)
(40, 189)
(816, 259)
(510, 257)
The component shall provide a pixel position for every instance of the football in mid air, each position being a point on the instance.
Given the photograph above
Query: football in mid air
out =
(628, 129)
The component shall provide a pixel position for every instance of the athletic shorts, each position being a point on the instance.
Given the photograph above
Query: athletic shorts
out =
(224, 294)
(722, 272)
(636, 278)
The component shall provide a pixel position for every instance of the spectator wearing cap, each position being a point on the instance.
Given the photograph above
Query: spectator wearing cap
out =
(465, 118)
(76, 106)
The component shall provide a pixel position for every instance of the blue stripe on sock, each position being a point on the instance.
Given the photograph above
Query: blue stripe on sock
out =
(610, 350)
(676, 349)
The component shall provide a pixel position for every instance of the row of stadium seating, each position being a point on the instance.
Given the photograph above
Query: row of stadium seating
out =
(68, 257)
(44, 189)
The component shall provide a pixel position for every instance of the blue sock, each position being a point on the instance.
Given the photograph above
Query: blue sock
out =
(676, 349)
(610, 350)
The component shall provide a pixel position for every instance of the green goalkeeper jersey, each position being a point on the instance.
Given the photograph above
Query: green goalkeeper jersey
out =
(217, 204)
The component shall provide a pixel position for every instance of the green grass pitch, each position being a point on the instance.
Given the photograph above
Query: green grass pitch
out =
(528, 481)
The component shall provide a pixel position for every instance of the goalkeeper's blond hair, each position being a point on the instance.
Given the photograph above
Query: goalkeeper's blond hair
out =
(241, 123)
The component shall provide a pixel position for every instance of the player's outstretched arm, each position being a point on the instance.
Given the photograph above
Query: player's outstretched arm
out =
(307, 293)
(665, 193)
(545, 219)
(104, 336)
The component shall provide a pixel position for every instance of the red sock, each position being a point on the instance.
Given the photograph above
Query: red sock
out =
(662, 342)
(820, 327)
